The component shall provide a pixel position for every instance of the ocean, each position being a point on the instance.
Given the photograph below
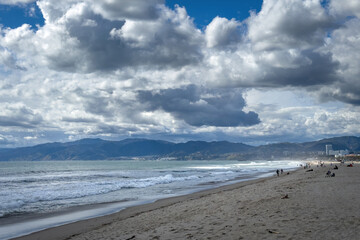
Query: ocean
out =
(39, 195)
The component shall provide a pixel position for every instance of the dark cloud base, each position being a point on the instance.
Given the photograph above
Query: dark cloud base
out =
(223, 109)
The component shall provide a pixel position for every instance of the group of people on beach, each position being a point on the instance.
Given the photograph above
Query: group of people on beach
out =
(307, 165)
(329, 174)
(279, 171)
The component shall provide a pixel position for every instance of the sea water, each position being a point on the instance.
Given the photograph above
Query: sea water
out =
(32, 192)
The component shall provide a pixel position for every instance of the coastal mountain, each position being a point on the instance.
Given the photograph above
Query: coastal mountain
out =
(98, 149)
(350, 143)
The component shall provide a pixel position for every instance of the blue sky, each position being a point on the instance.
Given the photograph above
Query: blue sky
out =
(202, 11)
(14, 16)
(178, 70)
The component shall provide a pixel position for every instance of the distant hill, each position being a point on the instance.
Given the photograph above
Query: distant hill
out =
(98, 149)
(350, 143)
(339, 143)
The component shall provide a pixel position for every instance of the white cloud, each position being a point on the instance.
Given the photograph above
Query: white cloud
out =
(345, 8)
(8, 60)
(30, 137)
(298, 116)
(222, 32)
(344, 45)
(77, 39)
(288, 24)
(81, 73)
(134, 9)
(19, 116)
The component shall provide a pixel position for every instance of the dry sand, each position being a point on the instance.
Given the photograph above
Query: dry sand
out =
(317, 207)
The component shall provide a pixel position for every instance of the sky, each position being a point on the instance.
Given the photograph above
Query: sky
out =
(255, 72)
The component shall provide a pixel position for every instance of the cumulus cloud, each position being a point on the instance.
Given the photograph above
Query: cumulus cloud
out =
(199, 107)
(78, 37)
(345, 8)
(288, 24)
(222, 32)
(344, 44)
(8, 60)
(284, 47)
(135, 9)
(135, 68)
(19, 116)
(320, 70)
(296, 117)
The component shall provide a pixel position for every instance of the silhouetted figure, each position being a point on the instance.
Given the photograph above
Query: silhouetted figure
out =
(285, 197)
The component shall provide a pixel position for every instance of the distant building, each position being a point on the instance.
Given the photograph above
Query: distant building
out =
(328, 148)
(331, 152)
(339, 153)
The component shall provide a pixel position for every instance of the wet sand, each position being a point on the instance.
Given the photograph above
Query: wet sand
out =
(302, 205)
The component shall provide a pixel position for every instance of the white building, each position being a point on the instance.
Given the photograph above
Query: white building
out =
(331, 152)
(339, 153)
(328, 148)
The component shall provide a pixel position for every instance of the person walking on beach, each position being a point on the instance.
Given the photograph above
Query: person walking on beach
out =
(277, 172)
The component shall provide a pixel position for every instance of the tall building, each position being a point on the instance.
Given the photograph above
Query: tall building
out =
(328, 148)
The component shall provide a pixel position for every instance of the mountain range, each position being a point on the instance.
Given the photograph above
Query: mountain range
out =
(98, 149)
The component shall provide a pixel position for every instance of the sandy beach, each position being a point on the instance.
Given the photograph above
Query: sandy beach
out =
(300, 205)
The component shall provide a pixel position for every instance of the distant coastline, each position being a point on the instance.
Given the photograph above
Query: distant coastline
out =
(146, 149)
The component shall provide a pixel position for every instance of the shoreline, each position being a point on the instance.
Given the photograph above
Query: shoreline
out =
(63, 231)
(255, 209)
(32, 223)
